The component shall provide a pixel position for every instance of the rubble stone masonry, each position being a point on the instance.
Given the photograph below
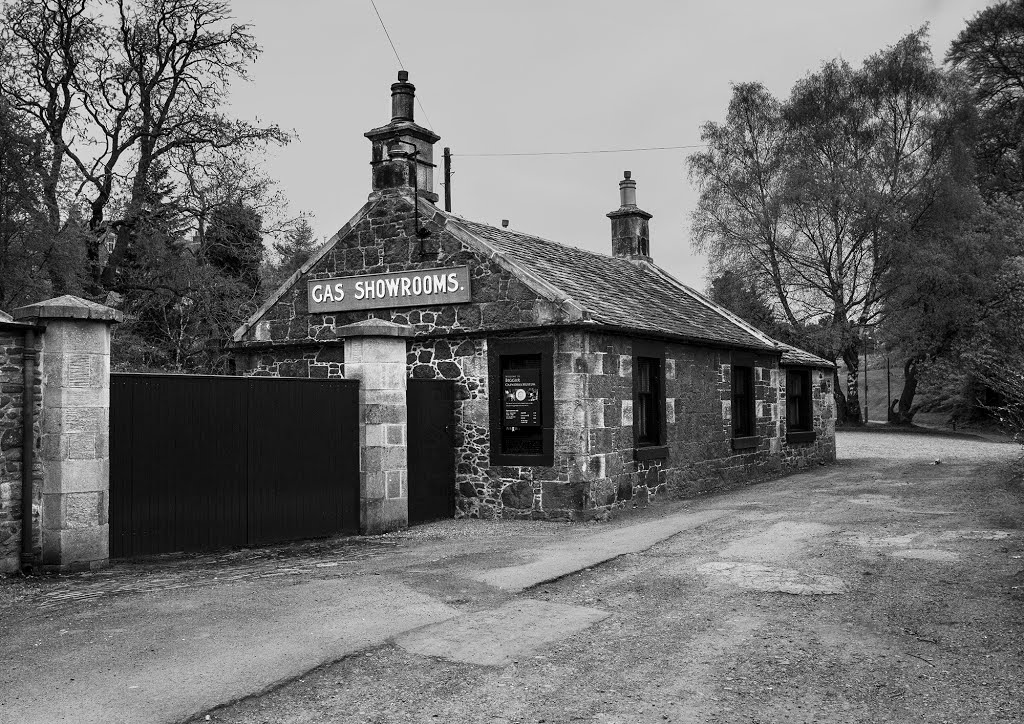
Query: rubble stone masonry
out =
(11, 405)
(595, 469)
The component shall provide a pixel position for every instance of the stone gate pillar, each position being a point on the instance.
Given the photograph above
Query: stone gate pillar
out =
(375, 352)
(75, 455)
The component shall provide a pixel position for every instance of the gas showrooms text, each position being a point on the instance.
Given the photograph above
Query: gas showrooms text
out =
(409, 286)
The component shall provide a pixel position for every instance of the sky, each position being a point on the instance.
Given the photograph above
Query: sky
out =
(542, 76)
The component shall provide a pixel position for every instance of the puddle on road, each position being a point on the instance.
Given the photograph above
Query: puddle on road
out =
(774, 580)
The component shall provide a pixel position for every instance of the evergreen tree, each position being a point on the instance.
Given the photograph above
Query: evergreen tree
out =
(290, 252)
(233, 243)
(181, 301)
(990, 52)
(737, 293)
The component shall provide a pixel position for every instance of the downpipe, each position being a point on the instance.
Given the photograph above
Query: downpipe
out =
(28, 423)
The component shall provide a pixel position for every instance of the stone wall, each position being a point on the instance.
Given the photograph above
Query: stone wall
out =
(594, 470)
(382, 240)
(822, 449)
(319, 362)
(11, 402)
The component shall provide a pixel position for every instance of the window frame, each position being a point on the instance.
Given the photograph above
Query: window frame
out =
(743, 363)
(655, 446)
(804, 432)
(521, 347)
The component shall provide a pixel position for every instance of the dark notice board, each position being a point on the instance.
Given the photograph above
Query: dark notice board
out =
(520, 393)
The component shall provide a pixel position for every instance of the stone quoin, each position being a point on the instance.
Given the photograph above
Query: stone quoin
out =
(584, 381)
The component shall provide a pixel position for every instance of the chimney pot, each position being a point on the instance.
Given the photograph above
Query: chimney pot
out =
(627, 190)
(627, 174)
(504, 223)
(403, 98)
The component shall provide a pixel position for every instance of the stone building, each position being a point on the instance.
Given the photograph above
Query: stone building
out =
(584, 381)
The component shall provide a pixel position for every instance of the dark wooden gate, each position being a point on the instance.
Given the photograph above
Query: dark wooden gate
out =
(198, 463)
(431, 450)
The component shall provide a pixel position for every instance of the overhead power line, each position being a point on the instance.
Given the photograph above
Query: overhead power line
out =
(401, 65)
(577, 153)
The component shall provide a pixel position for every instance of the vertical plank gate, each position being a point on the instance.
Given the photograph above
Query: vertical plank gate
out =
(431, 449)
(198, 463)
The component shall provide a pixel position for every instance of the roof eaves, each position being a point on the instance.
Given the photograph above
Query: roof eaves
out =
(320, 254)
(662, 334)
(796, 357)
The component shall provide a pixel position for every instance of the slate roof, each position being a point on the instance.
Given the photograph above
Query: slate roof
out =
(619, 292)
(795, 356)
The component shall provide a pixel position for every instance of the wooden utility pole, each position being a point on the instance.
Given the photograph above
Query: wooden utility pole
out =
(888, 390)
(447, 179)
(865, 379)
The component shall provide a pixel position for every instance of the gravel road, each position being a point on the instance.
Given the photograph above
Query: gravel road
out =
(886, 588)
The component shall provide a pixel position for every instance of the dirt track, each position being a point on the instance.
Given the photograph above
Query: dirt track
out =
(887, 588)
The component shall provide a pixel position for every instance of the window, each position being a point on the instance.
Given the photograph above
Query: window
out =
(798, 400)
(799, 411)
(742, 400)
(649, 430)
(648, 394)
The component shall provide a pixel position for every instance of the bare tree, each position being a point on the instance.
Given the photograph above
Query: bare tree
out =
(741, 176)
(42, 46)
(119, 92)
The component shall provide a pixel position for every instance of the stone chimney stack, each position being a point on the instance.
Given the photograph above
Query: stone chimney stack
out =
(631, 236)
(403, 147)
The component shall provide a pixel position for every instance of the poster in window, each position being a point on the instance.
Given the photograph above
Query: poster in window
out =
(521, 398)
